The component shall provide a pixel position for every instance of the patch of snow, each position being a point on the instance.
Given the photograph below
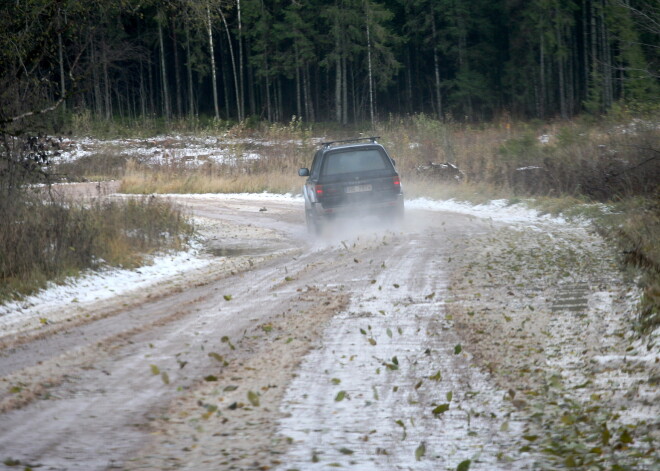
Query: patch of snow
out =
(496, 210)
(56, 302)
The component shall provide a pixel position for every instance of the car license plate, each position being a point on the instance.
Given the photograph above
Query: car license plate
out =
(358, 188)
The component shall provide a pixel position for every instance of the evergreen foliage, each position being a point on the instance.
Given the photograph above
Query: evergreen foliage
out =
(342, 60)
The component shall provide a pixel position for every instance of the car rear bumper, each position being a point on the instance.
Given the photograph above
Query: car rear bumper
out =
(364, 208)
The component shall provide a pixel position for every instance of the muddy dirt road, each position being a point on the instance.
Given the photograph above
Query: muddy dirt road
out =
(353, 350)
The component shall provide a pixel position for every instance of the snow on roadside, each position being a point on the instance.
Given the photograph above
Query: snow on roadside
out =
(55, 303)
(497, 210)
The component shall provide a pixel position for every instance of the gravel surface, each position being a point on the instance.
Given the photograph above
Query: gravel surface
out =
(451, 340)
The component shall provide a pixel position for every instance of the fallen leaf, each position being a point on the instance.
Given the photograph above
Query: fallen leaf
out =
(340, 396)
(463, 465)
(154, 370)
(420, 451)
(227, 297)
(165, 377)
(458, 349)
(441, 409)
(253, 397)
(217, 357)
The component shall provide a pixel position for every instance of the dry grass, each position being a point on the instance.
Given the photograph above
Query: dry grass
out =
(146, 180)
(52, 239)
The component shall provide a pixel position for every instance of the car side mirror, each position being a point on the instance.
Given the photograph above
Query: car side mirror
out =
(303, 172)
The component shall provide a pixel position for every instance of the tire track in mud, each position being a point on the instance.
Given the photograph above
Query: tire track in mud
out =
(374, 392)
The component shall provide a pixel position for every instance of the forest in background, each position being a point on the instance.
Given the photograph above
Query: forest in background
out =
(347, 61)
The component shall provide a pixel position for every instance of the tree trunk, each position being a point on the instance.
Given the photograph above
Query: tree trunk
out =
(541, 101)
(560, 64)
(338, 80)
(344, 76)
(371, 83)
(239, 110)
(214, 78)
(309, 102)
(60, 48)
(163, 70)
(436, 66)
(298, 85)
(241, 82)
(106, 82)
(191, 100)
(177, 72)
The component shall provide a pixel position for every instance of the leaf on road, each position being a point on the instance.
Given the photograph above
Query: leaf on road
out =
(420, 451)
(165, 377)
(372, 341)
(403, 426)
(226, 340)
(436, 377)
(227, 297)
(154, 370)
(335, 380)
(441, 409)
(217, 357)
(464, 465)
(253, 397)
(210, 378)
(389, 332)
(230, 388)
(346, 451)
(449, 396)
(458, 349)
(340, 396)
(363, 332)
(267, 328)
(626, 437)
(396, 285)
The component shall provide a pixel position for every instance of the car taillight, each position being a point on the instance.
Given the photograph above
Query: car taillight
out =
(397, 182)
(319, 190)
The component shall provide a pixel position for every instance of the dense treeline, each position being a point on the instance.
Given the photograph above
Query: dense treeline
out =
(341, 60)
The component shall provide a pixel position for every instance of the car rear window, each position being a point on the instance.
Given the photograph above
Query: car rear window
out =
(365, 160)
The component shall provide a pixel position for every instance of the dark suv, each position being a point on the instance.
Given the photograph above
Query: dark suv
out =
(350, 178)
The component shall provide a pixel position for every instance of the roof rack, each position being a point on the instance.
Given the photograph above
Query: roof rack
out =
(372, 139)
